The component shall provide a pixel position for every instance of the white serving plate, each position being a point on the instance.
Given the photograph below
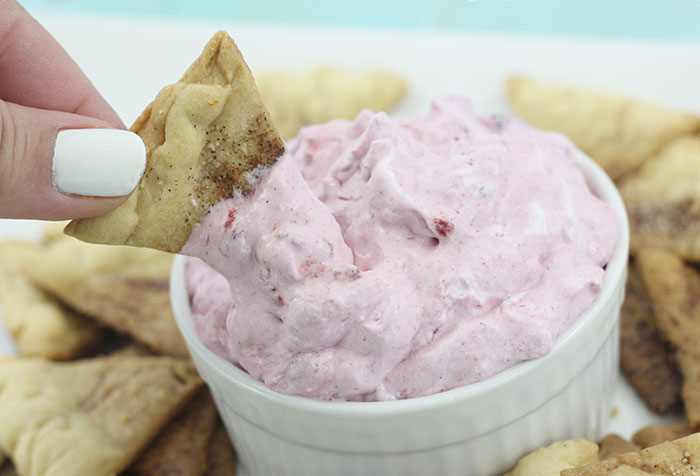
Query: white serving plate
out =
(129, 61)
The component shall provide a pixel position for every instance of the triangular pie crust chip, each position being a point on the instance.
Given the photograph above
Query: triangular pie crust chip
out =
(674, 288)
(182, 447)
(121, 287)
(321, 94)
(40, 325)
(663, 199)
(645, 359)
(673, 458)
(204, 137)
(91, 416)
(222, 458)
(618, 133)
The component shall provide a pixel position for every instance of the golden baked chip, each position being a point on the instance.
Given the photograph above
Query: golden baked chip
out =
(121, 287)
(674, 288)
(15, 256)
(550, 461)
(645, 359)
(222, 459)
(663, 199)
(614, 445)
(182, 447)
(653, 435)
(325, 93)
(89, 417)
(674, 458)
(620, 134)
(40, 325)
(203, 137)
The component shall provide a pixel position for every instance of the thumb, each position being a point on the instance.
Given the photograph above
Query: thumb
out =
(55, 165)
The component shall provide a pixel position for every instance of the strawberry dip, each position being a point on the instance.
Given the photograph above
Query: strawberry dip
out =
(388, 258)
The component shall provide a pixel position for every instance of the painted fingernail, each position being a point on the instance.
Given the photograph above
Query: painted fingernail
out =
(98, 162)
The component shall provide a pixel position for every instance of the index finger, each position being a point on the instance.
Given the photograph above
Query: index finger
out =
(36, 71)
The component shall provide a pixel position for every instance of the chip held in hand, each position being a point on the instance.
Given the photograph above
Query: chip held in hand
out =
(207, 137)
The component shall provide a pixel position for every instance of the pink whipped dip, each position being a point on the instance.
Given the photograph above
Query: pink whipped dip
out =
(390, 258)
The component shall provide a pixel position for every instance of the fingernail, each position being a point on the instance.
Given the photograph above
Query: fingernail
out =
(98, 162)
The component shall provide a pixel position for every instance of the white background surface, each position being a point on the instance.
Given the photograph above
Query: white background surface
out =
(130, 61)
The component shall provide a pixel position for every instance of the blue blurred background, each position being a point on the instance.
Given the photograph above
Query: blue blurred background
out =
(666, 20)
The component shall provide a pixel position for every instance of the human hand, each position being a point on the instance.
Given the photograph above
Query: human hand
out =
(86, 169)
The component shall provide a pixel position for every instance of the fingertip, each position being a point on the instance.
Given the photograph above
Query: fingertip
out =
(84, 170)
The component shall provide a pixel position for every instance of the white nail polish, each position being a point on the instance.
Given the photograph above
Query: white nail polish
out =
(98, 162)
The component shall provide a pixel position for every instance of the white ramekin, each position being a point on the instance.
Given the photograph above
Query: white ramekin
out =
(479, 429)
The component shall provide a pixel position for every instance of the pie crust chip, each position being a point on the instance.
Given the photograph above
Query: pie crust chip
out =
(663, 199)
(88, 417)
(679, 457)
(222, 458)
(40, 325)
(674, 288)
(646, 359)
(551, 460)
(121, 287)
(653, 435)
(206, 137)
(15, 256)
(325, 93)
(182, 447)
(618, 133)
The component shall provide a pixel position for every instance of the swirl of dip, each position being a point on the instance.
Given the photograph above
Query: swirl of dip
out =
(390, 258)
